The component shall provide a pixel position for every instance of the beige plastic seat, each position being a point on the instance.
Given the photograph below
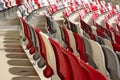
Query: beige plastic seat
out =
(72, 42)
(108, 43)
(58, 34)
(98, 58)
(50, 55)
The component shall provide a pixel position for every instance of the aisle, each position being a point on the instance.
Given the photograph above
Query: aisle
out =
(14, 64)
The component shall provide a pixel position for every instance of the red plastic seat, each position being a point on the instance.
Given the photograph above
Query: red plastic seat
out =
(62, 67)
(66, 36)
(80, 47)
(94, 74)
(76, 71)
(48, 72)
(27, 33)
(18, 2)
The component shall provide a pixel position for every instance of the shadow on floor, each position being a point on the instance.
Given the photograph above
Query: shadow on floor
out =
(18, 56)
(15, 50)
(8, 46)
(19, 62)
(25, 78)
(23, 71)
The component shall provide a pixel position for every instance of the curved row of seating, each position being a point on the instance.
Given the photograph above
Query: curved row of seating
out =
(74, 40)
(5, 4)
(87, 28)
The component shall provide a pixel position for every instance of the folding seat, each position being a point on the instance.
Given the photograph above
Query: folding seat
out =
(84, 71)
(60, 5)
(108, 35)
(92, 36)
(112, 36)
(107, 25)
(34, 6)
(26, 9)
(66, 13)
(73, 43)
(50, 25)
(34, 48)
(67, 39)
(2, 7)
(88, 52)
(26, 32)
(85, 26)
(94, 17)
(61, 63)
(23, 11)
(80, 47)
(73, 27)
(99, 58)
(86, 35)
(54, 8)
(117, 38)
(13, 2)
(66, 23)
(118, 56)
(112, 63)
(74, 66)
(100, 33)
(93, 7)
(108, 43)
(5, 4)
(70, 41)
(18, 2)
(38, 4)
(78, 2)
(116, 46)
(99, 40)
(34, 40)
(42, 52)
(50, 56)
(59, 34)
(94, 74)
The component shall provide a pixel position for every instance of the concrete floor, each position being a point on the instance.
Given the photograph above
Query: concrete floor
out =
(14, 63)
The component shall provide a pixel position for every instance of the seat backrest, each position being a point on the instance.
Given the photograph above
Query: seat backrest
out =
(80, 47)
(108, 43)
(73, 27)
(13, 3)
(27, 33)
(18, 2)
(99, 40)
(85, 26)
(98, 57)
(116, 47)
(72, 42)
(62, 67)
(94, 74)
(112, 63)
(118, 55)
(88, 52)
(48, 72)
(74, 66)
(50, 55)
(66, 38)
(59, 33)
(50, 25)
(33, 39)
